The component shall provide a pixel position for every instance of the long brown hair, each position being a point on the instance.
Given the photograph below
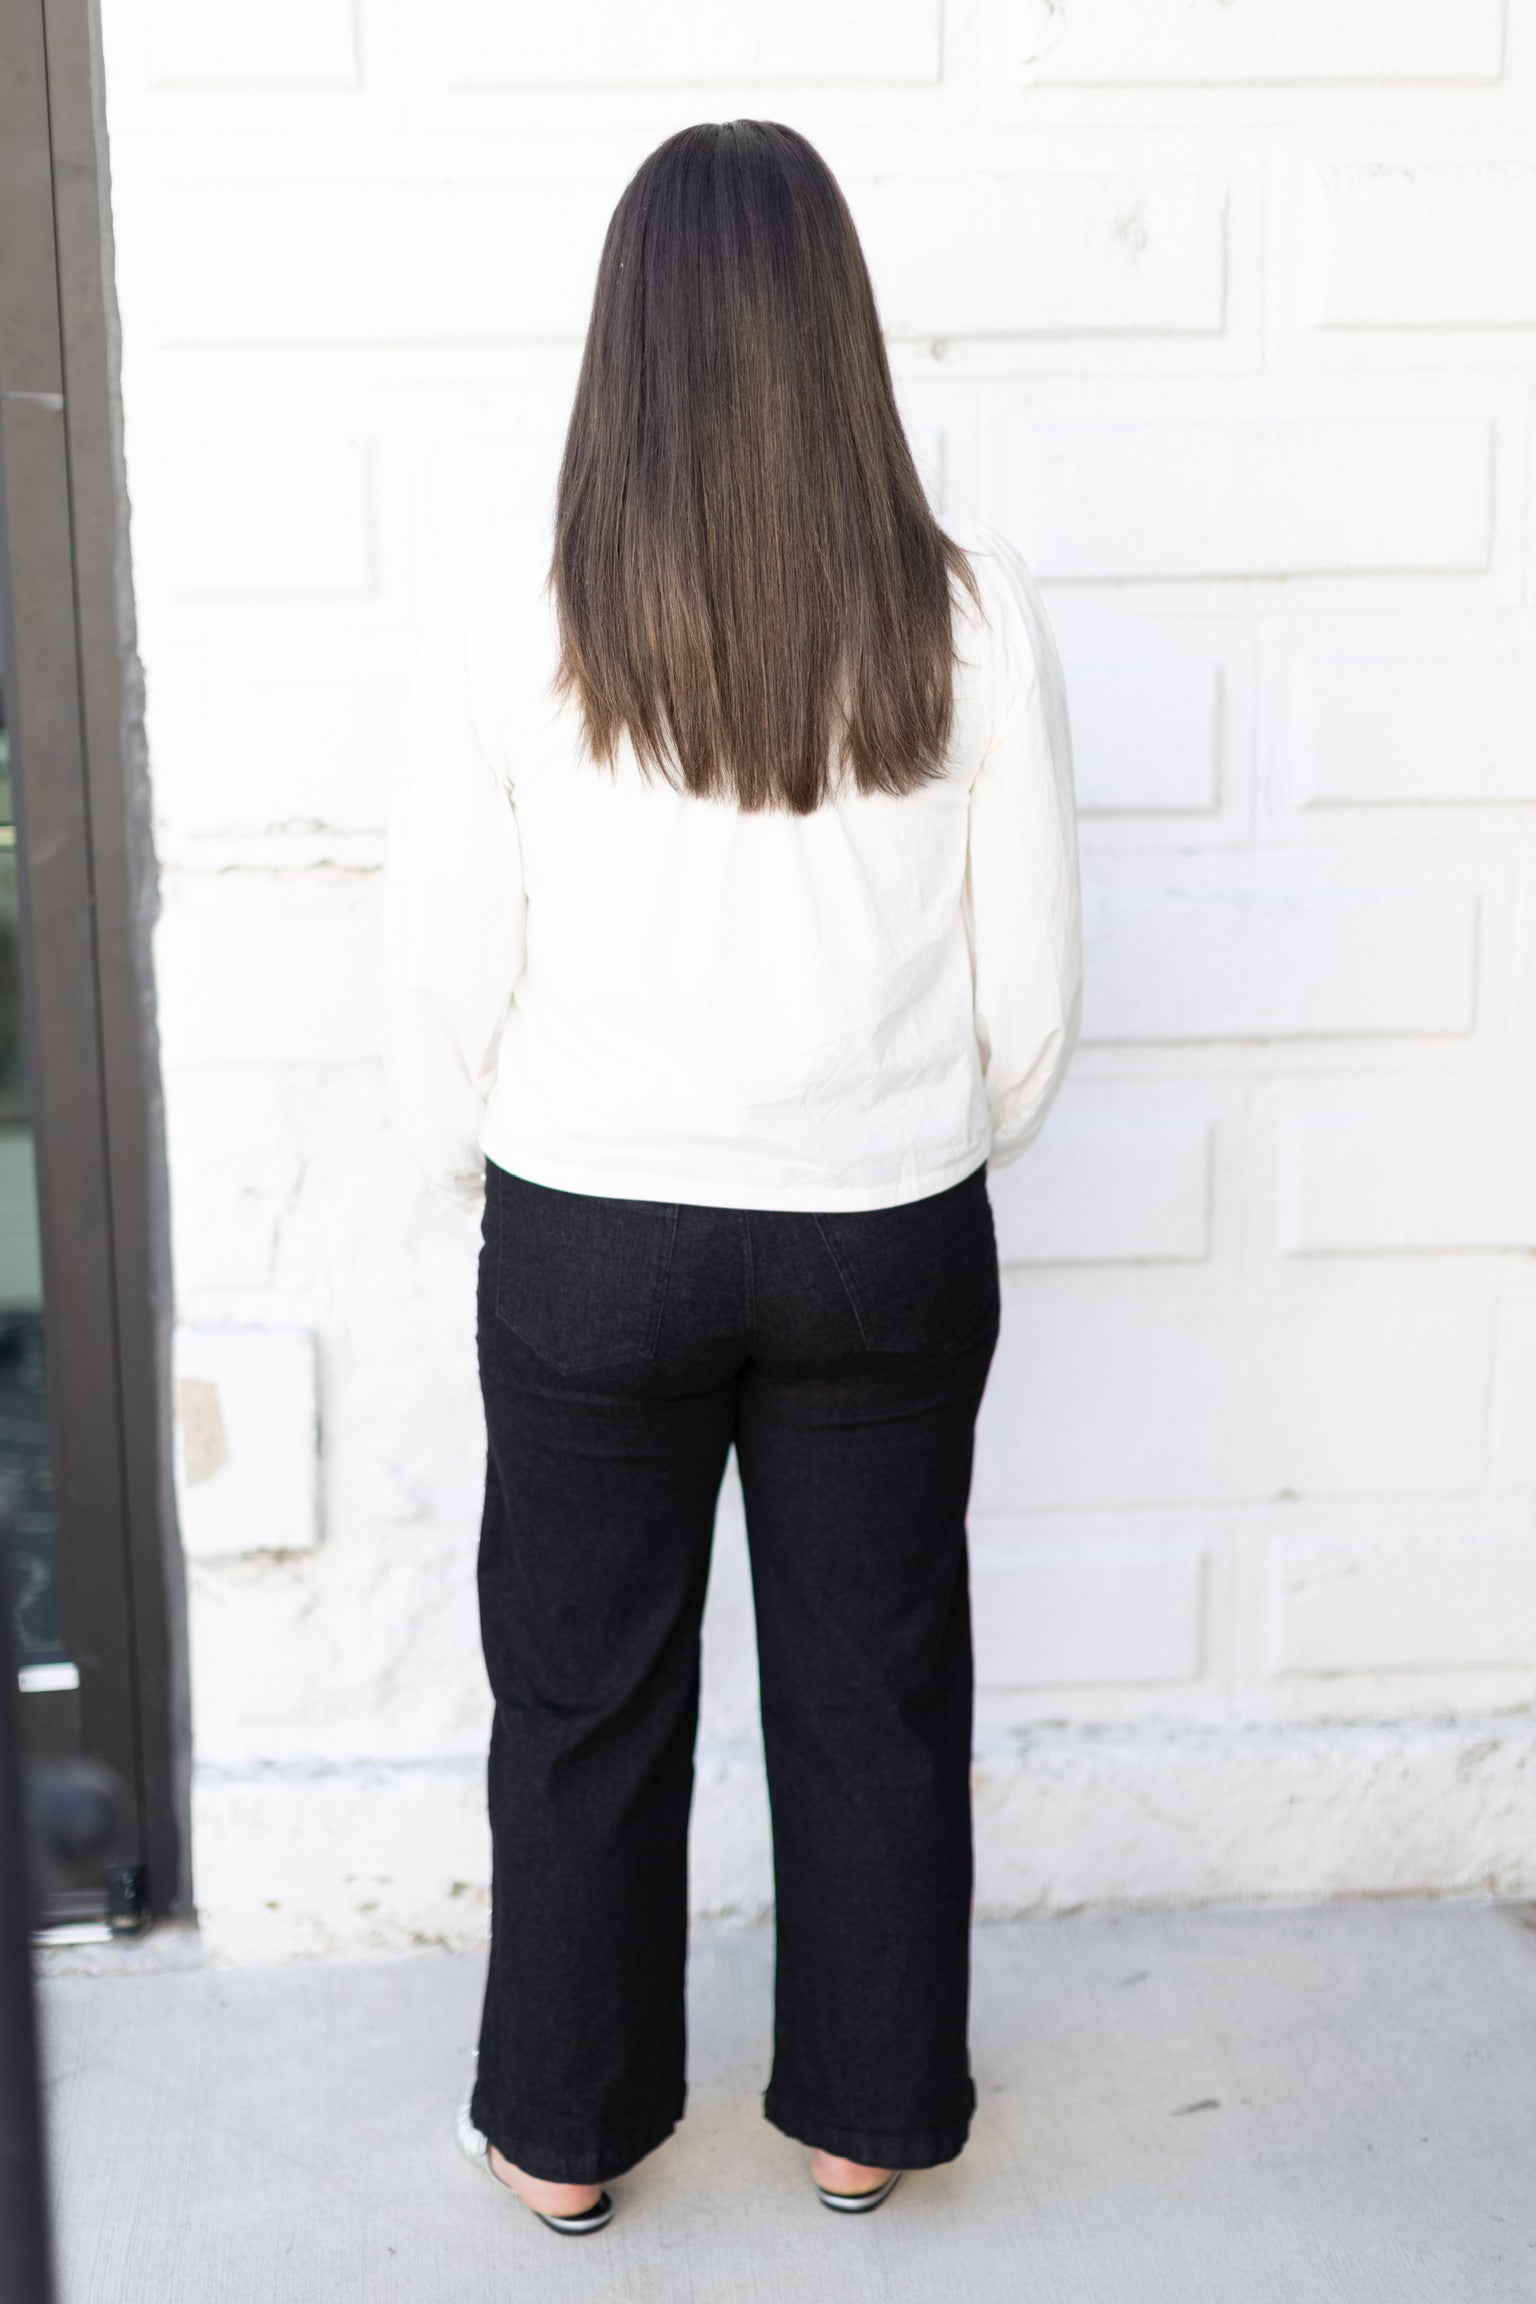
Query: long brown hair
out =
(748, 578)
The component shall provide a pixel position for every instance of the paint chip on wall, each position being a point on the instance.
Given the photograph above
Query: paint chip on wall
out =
(247, 1455)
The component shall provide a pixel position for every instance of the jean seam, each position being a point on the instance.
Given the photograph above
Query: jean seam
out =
(751, 1272)
(946, 2139)
(664, 1279)
(638, 2140)
(847, 1284)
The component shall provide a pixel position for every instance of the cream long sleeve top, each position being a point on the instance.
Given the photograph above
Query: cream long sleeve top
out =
(607, 985)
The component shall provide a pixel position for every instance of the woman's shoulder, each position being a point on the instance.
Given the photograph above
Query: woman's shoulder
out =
(502, 579)
(999, 567)
(506, 614)
(1007, 608)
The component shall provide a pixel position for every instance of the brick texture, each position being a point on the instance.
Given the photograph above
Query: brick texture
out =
(1107, 1184)
(1146, 737)
(608, 43)
(1344, 1606)
(286, 44)
(1363, 494)
(1440, 724)
(1436, 247)
(1267, 963)
(1118, 1396)
(1411, 1174)
(280, 511)
(1230, 42)
(1086, 1614)
(989, 256)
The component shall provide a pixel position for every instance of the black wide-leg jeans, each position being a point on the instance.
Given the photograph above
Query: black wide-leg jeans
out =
(625, 1346)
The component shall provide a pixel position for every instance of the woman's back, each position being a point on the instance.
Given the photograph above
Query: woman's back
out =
(609, 984)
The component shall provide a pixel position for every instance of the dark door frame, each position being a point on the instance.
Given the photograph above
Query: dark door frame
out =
(88, 895)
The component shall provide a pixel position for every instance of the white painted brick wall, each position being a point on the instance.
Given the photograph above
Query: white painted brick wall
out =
(1229, 42)
(1428, 247)
(1042, 255)
(1260, 950)
(1147, 737)
(692, 43)
(1357, 493)
(1441, 717)
(292, 43)
(1226, 309)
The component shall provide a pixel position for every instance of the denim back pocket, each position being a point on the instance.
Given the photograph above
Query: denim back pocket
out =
(922, 1278)
(582, 1280)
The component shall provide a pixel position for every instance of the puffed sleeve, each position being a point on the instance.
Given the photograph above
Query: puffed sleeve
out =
(1023, 905)
(454, 911)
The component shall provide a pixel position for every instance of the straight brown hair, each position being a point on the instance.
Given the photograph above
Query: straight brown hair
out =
(749, 582)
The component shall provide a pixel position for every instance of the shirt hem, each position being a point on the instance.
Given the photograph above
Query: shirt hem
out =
(717, 1188)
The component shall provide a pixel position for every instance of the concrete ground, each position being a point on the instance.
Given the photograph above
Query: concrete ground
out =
(1234, 2106)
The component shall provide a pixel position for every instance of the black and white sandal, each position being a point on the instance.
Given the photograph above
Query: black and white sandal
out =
(859, 2203)
(477, 2147)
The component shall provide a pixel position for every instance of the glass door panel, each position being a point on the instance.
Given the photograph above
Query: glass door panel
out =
(26, 1452)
